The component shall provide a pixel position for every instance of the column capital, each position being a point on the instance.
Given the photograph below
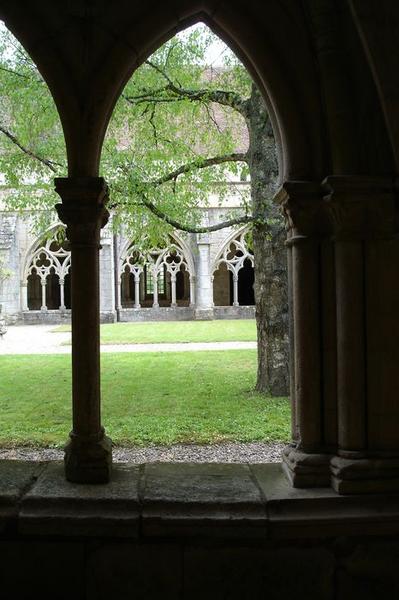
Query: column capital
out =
(360, 207)
(83, 207)
(301, 204)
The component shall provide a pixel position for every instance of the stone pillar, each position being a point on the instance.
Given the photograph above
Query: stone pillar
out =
(62, 295)
(107, 276)
(44, 285)
(306, 459)
(235, 290)
(88, 454)
(192, 290)
(137, 290)
(173, 289)
(155, 302)
(24, 295)
(118, 291)
(204, 291)
(362, 212)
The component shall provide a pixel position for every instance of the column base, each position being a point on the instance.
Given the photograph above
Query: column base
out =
(203, 314)
(305, 470)
(365, 475)
(88, 460)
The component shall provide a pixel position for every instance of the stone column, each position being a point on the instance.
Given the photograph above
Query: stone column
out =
(88, 454)
(107, 277)
(235, 290)
(155, 302)
(62, 295)
(137, 290)
(362, 212)
(306, 459)
(173, 289)
(24, 295)
(204, 291)
(44, 285)
(192, 290)
(118, 291)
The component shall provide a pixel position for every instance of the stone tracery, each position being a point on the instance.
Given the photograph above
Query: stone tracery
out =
(154, 275)
(48, 268)
(235, 256)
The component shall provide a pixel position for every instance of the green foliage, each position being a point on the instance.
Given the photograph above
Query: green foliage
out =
(165, 118)
(200, 397)
(32, 148)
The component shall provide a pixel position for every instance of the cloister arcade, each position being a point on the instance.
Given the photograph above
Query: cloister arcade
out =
(328, 70)
(156, 279)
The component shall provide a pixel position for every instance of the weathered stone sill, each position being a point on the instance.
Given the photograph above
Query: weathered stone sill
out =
(254, 503)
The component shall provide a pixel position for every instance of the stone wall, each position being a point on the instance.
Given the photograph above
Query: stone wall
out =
(187, 532)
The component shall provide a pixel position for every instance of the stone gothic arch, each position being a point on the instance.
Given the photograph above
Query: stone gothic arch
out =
(45, 283)
(146, 276)
(235, 256)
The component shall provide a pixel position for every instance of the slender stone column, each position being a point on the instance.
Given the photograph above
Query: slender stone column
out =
(362, 211)
(137, 290)
(118, 290)
(24, 295)
(173, 287)
(88, 454)
(44, 285)
(62, 295)
(235, 290)
(192, 290)
(306, 461)
(155, 303)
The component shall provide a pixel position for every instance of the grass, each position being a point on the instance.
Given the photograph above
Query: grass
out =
(239, 330)
(151, 398)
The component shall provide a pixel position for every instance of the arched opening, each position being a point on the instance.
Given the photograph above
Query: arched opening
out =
(157, 278)
(233, 279)
(34, 291)
(246, 294)
(53, 294)
(48, 277)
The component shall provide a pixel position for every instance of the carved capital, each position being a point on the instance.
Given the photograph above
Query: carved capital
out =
(360, 207)
(301, 204)
(83, 208)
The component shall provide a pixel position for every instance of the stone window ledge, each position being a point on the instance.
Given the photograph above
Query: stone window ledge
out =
(202, 501)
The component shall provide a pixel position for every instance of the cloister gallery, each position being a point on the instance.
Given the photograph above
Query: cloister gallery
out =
(326, 525)
(194, 276)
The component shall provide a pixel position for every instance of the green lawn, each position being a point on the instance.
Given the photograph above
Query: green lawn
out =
(150, 398)
(239, 330)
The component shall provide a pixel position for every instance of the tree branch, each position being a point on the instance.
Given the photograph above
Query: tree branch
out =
(207, 229)
(224, 97)
(51, 164)
(201, 164)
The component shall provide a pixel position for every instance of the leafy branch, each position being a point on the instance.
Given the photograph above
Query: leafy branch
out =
(51, 164)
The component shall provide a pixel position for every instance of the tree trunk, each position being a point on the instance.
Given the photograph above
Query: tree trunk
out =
(271, 311)
(271, 297)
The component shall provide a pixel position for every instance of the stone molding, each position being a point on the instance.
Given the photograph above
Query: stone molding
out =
(83, 208)
(360, 207)
(301, 204)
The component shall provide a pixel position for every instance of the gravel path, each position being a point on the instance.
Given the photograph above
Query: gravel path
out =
(254, 452)
(42, 339)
